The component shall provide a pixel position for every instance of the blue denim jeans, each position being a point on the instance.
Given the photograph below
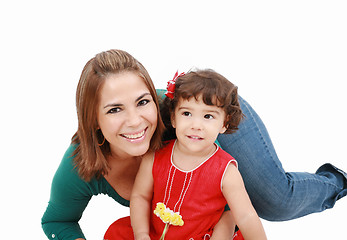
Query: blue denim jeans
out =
(278, 195)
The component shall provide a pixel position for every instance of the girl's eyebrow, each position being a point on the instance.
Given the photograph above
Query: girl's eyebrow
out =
(215, 112)
(206, 110)
(119, 104)
(183, 108)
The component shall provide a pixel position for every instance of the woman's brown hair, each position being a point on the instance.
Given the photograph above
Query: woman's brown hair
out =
(90, 154)
(213, 88)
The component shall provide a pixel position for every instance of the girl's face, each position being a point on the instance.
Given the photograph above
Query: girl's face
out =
(127, 114)
(197, 125)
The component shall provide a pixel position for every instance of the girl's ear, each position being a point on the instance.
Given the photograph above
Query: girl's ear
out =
(172, 119)
(225, 124)
(223, 129)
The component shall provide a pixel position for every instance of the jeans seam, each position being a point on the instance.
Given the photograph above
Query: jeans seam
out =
(272, 157)
(262, 138)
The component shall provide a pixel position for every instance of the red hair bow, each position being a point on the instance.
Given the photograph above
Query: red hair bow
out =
(171, 85)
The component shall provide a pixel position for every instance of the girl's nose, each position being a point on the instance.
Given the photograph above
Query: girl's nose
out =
(197, 124)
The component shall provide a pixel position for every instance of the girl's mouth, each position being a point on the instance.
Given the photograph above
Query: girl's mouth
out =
(195, 137)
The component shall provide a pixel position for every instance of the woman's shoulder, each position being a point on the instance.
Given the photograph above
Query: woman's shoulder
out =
(68, 180)
(67, 164)
(66, 177)
(161, 95)
(160, 92)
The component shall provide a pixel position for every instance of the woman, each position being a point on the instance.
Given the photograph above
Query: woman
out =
(119, 121)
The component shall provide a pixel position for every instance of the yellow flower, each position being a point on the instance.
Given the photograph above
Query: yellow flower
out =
(176, 220)
(159, 208)
(167, 215)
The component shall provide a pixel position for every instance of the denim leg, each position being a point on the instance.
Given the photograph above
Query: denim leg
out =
(278, 195)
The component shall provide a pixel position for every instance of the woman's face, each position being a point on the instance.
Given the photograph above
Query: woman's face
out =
(127, 114)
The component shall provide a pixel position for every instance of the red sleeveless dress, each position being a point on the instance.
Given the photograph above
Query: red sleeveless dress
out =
(195, 194)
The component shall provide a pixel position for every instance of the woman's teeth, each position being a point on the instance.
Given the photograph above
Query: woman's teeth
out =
(134, 136)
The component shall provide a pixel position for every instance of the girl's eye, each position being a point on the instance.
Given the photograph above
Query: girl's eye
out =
(114, 110)
(186, 114)
(143, 102)
(208, 116)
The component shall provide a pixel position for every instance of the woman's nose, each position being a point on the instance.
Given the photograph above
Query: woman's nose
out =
(133, 117)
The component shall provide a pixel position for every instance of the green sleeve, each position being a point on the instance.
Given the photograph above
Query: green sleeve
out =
(69, 197)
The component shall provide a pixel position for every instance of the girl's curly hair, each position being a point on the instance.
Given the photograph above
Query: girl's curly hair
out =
(214, 89)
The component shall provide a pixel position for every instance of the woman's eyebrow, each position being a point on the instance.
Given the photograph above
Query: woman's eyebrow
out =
(142, 96)
(119, 104)
(113, 105)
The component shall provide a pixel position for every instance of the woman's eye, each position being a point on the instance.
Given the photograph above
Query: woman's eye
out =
(114, 110)
(143, 102)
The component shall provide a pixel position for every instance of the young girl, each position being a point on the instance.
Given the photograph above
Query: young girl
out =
(181, 190)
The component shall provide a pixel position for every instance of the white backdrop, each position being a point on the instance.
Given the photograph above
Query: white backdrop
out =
(287, 57)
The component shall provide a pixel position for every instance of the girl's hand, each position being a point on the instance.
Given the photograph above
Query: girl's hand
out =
(224, 229)
(142, 236)
(242, 211)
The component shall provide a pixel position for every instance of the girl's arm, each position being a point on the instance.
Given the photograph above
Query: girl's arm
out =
(225, 227)
(240, 205)
(141, 196)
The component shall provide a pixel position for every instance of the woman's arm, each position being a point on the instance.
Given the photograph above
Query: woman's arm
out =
(140, 201)
(60, 221)
(69, 197)
(241, 207)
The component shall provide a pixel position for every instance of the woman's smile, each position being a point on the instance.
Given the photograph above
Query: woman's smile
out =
(137, 136)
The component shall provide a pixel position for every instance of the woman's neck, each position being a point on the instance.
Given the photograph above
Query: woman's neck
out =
(122, 173)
